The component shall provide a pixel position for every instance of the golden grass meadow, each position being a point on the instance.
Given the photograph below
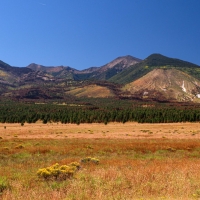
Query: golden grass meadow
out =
(97, 161)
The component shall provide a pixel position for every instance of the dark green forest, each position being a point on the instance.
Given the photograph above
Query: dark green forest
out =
(98, 111)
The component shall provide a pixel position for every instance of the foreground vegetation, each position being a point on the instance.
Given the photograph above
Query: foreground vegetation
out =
(126, 169)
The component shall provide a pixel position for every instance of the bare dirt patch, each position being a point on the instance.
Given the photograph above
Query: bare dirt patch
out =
(130, 130)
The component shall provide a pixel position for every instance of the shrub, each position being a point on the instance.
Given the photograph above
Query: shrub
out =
(58, 172)
(90, 160)
(3, 184)
(20, 146)
(75, 164)
(171, 149)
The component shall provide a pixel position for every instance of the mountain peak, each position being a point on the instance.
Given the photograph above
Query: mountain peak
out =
(157, 59)
(124, 61)
(129, 57)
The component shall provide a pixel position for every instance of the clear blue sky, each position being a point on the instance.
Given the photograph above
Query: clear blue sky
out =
(85, 33)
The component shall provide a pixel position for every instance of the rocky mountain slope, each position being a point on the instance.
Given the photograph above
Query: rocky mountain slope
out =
(56, 72)
(168, 84)
(94, 73)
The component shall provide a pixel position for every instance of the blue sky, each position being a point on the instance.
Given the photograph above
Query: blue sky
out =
(86, 33)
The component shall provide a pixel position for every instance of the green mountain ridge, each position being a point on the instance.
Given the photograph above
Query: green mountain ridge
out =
(152, 62)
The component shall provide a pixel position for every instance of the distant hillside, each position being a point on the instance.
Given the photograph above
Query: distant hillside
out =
(168, 84)
(58, 71)
(160, 60)
(4, 65)
(152, 62)
(107, 71)
(94, 91)
(157, 78)
(93, 73)
(13, 70)
(10, 75)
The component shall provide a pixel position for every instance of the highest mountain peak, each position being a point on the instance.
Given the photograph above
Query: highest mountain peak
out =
(123, 61)
(108, 70)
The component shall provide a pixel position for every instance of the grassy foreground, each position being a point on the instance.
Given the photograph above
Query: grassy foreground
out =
(128, 169)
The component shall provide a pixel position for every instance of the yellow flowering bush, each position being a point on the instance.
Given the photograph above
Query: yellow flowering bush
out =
(58, 172)
(62, 172)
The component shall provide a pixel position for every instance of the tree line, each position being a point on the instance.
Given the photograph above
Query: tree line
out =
(31, 113)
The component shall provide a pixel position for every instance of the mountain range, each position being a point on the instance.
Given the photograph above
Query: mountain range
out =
(157, 78)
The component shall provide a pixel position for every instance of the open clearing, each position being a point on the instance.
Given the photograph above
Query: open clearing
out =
(112, 130)
(136, 161)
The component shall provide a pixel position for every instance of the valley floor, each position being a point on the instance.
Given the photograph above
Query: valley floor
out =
(136, 161)
(128, 130)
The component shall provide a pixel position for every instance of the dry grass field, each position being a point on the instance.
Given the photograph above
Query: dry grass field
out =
(129, 130)
(136, 161)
